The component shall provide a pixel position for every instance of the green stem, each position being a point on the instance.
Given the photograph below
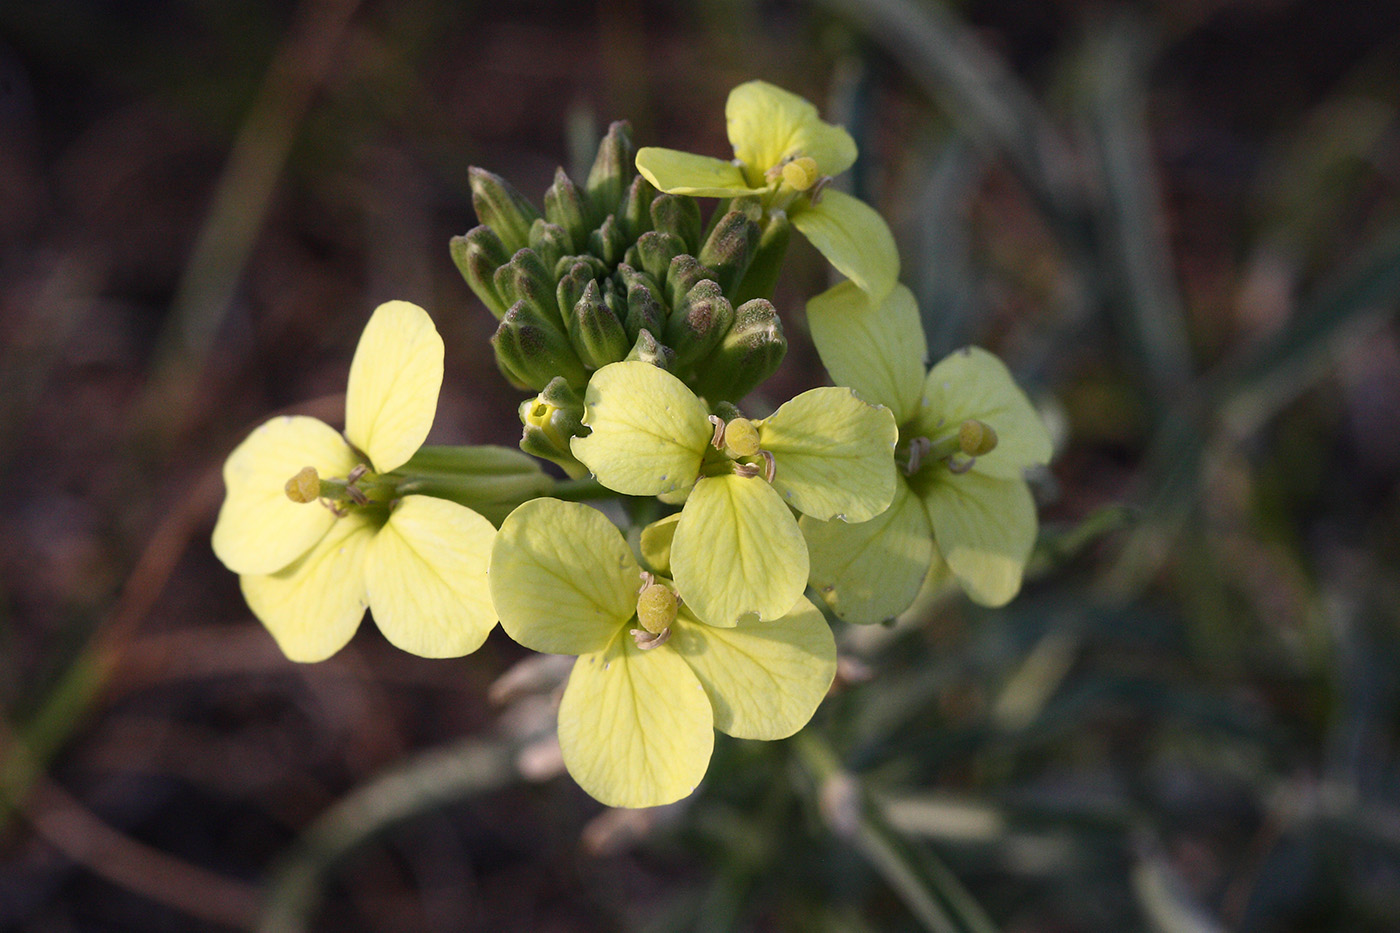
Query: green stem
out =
(581, 490)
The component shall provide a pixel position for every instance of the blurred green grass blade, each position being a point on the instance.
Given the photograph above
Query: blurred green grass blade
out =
(1136, 259)
(1247, 390)
(981, 95)
(430, 781)
(931, 892)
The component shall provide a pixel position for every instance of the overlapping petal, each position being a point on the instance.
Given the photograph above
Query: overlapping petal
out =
(426, 578)
(562, 579)
(872, 571)
(834, 454)
(648, 431)
(764, 679)
(972, 383)
(636, 728)
(699, 176)
(853, 238)
(313, 606)
(737, 551)
(259, 529)
(767, 124)
(395, 377)
(876, 348)
(985, 527)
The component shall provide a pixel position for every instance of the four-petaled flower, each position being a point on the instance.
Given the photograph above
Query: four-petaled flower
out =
(737, 547)
(967, 436)
(652, 681)
(317, 534)
(785, 155)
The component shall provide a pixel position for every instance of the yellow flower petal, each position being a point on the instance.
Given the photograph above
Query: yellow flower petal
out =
(699, 176)
(649, 431)
(259, 529)
(313, 607)
(972, 383)
(765, 679)
(562, 579)
(635, 727)
(737, 551)
(394, 382)
(655, 544)
(876, 349)
(426, 577)
(834, 454)
(767, 124)
(871, 572)
(985, 527)
(853, 238)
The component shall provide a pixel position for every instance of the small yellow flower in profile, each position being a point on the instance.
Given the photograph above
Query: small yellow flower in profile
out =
(317, 533)
(784, 154)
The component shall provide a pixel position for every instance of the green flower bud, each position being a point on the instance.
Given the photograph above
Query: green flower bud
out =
(650, 350)
(698, 323)
(730, 248)
(633, 214)
(679, 216)
(550, 242)
(654, 251)
(564, 205)
(532, 350)
(597, 333)
(502, 208)
(594, 265)
(747, 355)
(477, 255)
(572, 285)
(526, 279)
(608, 242)
(612, 169)
(683, 275)
(645, 309)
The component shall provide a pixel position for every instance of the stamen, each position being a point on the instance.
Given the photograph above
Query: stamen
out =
(770, 466)
(918, 449)
(960, 466)
(646, 640)
(717, 441)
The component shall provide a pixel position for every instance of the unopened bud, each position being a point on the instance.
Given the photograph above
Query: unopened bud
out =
(608, 242)
(478, 255)
(551, 420)
(747, 355)
(698, 323)
(612, 169)
(644, 308)
(976, 438)
(683, 275)
(656, 607)
(730, 248)
(679, 216)
(564, 205)
(650, 350)
(534, 350)
(801, 173)
(526, 280)
(573, 284)
(502, 208)
(550, 242)
(597, 333)
(655, 250)
(634, 214)
(305, 486)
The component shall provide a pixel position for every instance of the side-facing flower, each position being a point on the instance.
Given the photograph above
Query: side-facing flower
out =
(786, 155)
(652, 681)
(317, 532)
(737, 547)
(967, 435)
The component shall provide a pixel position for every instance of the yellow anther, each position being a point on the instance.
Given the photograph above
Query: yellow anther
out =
(656, 607)
(801, 173)
(305, 486)
(976, 438)
(741, 438)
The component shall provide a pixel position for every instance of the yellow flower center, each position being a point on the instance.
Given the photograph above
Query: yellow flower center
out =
(741, 438)
(305, 486)
(801, 173)
(976, 438)
(656, 607)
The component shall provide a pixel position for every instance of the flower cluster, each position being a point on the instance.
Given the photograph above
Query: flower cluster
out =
(640, 327)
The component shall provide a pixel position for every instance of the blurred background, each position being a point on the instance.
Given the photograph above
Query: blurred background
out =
(1178, 224)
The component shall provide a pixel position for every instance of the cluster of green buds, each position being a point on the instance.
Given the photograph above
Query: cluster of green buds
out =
(639, 325)
(614, 270)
